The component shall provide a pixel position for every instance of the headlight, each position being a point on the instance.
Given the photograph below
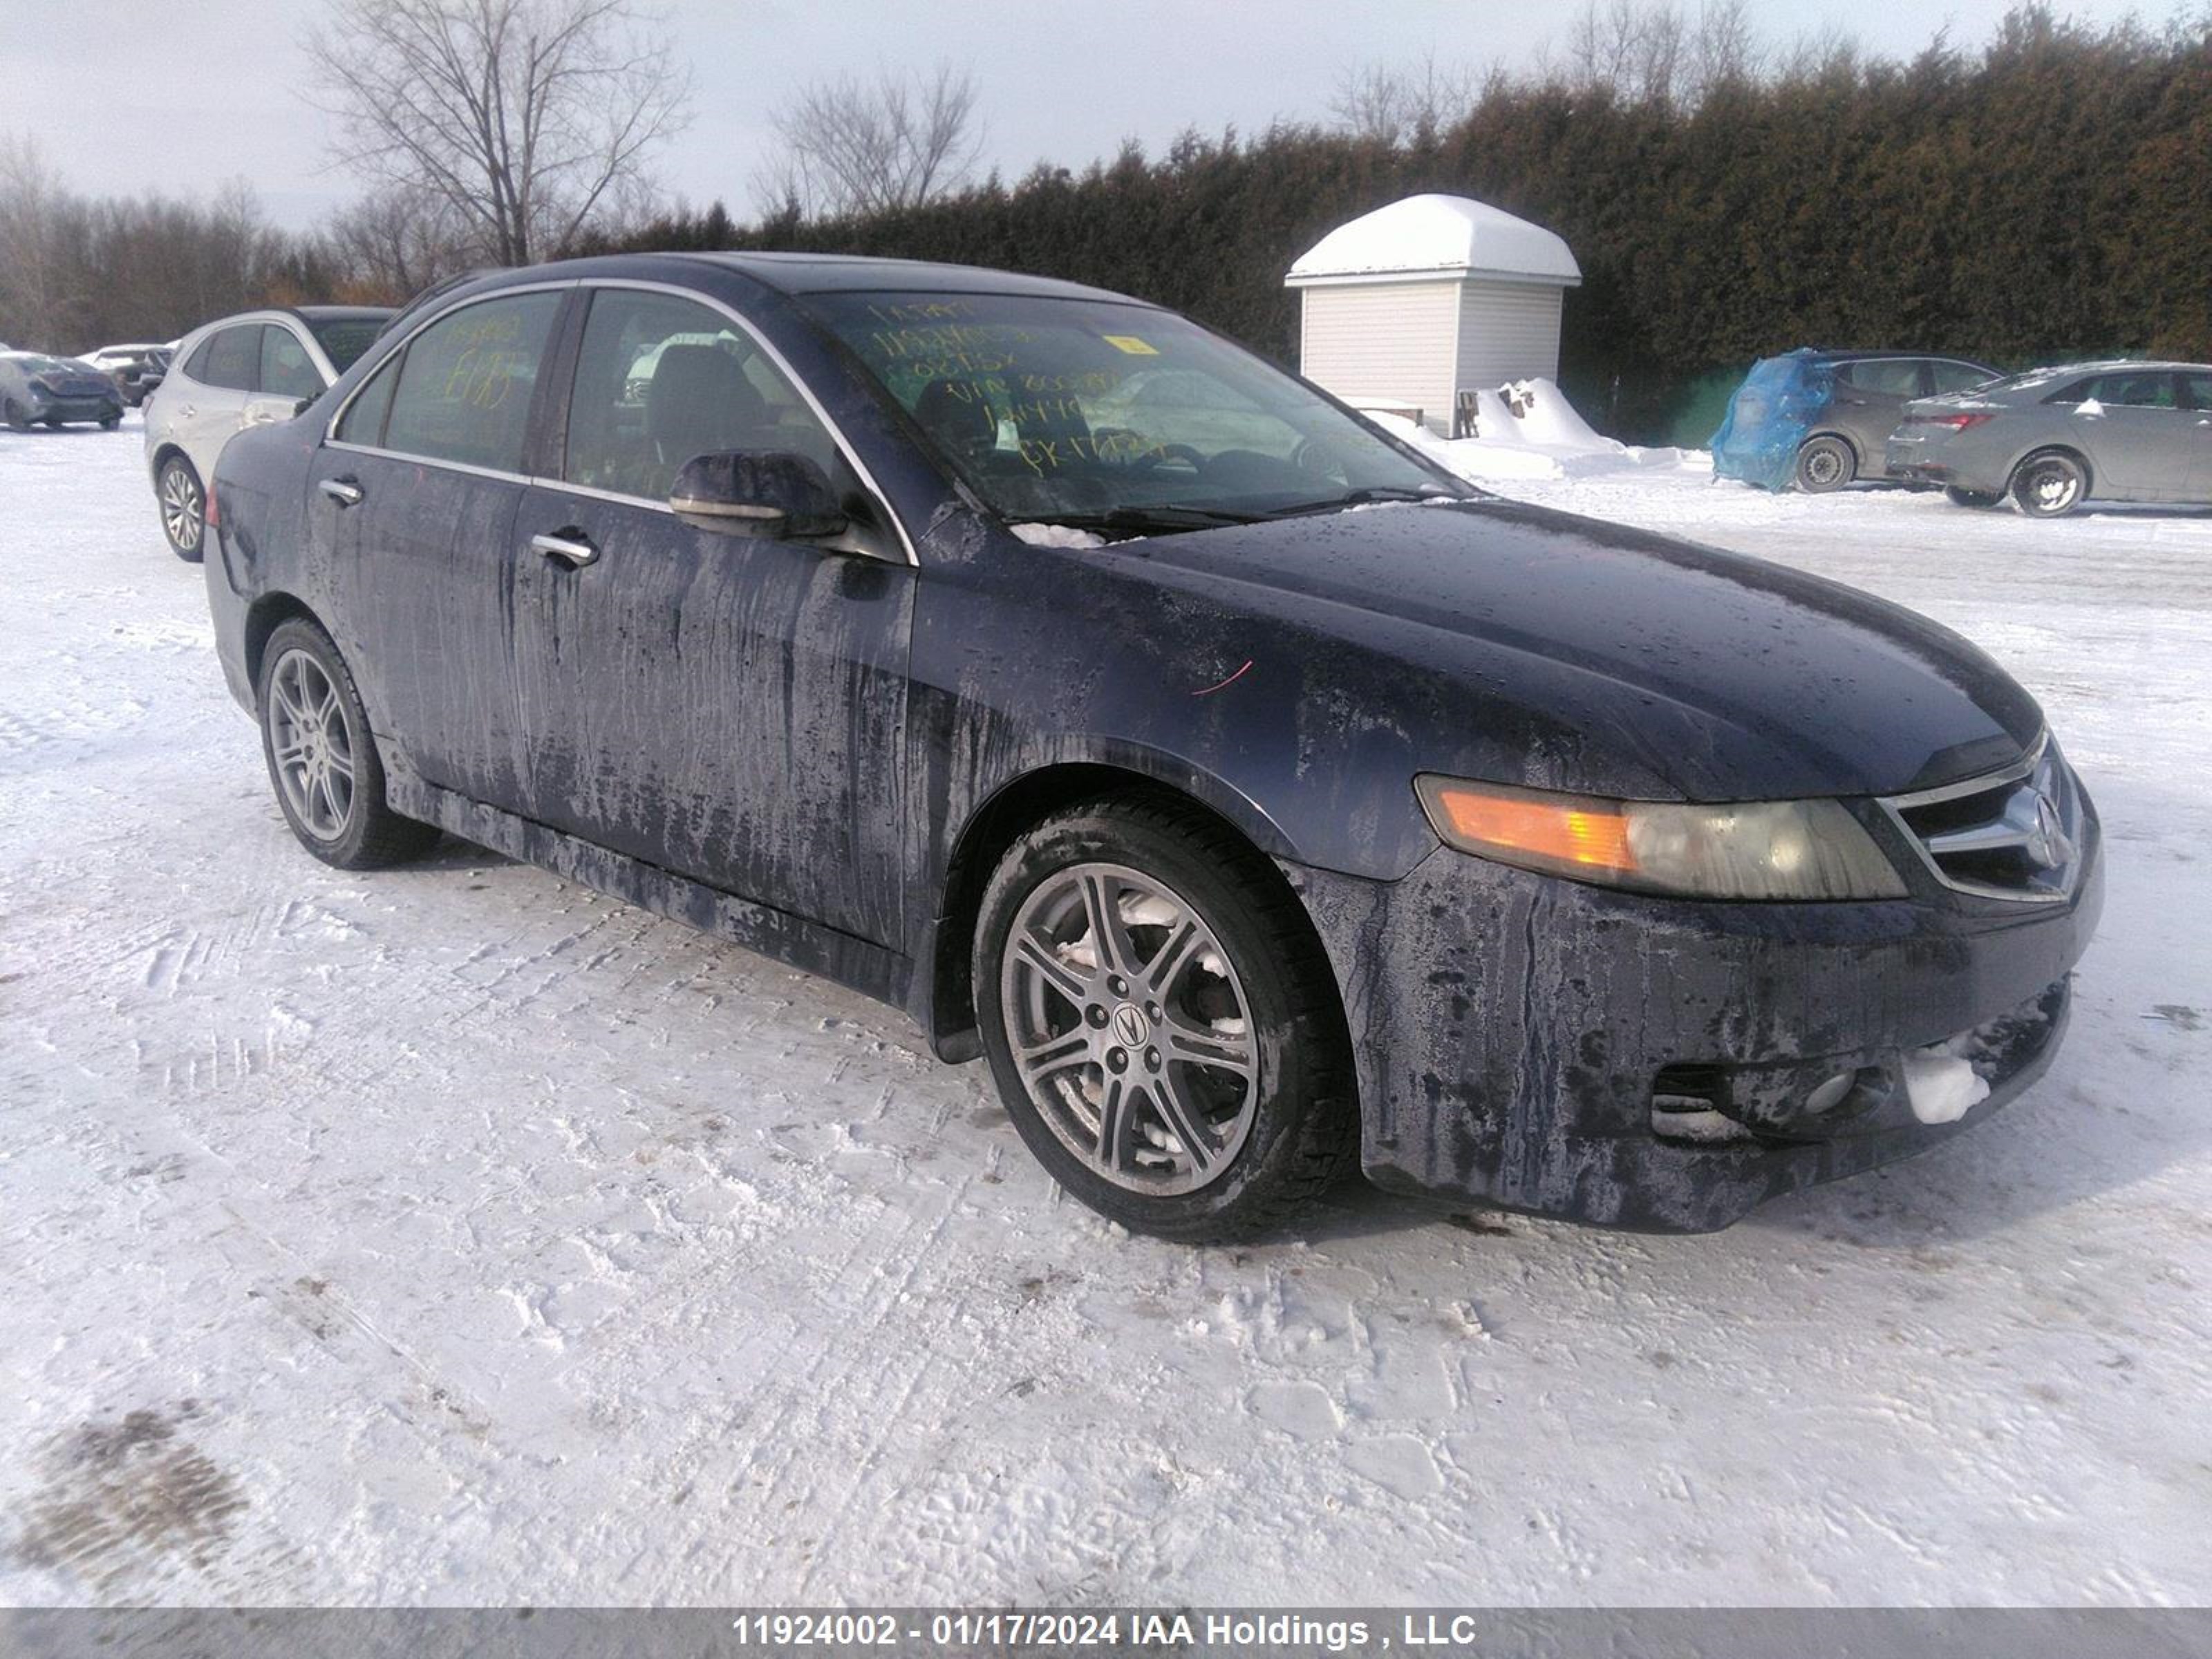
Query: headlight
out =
(1791, 849)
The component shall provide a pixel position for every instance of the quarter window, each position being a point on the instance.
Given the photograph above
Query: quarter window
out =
(660, 380)
(466, 381)
(287, 371)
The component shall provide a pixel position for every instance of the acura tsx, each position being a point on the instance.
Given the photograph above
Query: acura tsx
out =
(1256, 798)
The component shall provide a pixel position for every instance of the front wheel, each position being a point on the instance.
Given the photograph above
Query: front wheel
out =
(1959, 497)
(184, 508)
(109, 423)
(17, 420)
(1160, 1023)
(2050, 485)
(322, 756)
(1825, 463)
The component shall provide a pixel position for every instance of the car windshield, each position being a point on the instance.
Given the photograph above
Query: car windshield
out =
(1094, 414)
(345, 338)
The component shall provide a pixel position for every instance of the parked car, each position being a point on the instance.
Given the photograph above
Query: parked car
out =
(1819, 420)
(35, 388)
(135, 369)
(1520, 858)
(2057, 437)
(246, 370)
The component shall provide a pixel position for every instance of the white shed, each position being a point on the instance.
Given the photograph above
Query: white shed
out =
(1409, 305)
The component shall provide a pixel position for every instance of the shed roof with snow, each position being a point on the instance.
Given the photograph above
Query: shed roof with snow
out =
(1436, 236)
(1414, 304)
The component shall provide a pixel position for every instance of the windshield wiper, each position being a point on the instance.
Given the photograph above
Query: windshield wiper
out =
(1165, 515)
(1362, 497)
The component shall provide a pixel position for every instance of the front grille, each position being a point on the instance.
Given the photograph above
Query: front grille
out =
(2016, 834)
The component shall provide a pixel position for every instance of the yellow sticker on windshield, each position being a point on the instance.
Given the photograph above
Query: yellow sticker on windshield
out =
(1130, 344)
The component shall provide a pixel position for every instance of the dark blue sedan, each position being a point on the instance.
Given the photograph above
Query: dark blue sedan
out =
(1259, 800)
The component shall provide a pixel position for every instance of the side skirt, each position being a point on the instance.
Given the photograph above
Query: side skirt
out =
(871, 970)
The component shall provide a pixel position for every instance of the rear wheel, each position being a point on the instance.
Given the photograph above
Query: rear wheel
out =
(322, 756)
(1959, 497)
(184, 508)
(1825, 463)
(2050, 485)
(1160, 1023)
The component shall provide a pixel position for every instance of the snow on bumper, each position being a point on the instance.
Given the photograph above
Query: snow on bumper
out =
(1519, 1039)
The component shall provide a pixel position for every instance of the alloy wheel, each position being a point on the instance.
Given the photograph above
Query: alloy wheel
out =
(2053, 486)
(312, 743)
(184, 509)
(1130, 1028)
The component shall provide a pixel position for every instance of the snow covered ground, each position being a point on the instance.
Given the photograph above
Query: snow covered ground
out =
(451, 1234)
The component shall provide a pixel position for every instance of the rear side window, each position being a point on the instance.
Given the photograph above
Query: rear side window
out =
(466, 383)
(230, 358)
(1888, 377)
(2131, 390)
(1960, 377)
(660, 380)
(2197, 390)
(286, 369)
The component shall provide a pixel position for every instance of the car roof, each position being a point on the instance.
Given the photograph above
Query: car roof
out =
(2122, 365)
(810, 273)
(337, 314)
(1886, 354)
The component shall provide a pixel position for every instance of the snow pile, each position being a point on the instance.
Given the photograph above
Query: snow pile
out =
(1528, 429)
(1942, 1087)
(1057, 535)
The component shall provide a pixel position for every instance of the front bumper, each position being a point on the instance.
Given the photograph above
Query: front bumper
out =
(1510, 1031)
(76, 408)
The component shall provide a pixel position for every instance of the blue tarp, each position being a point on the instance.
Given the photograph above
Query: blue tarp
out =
(1769, 417)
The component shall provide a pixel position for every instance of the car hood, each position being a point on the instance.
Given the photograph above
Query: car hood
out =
(1520, 645)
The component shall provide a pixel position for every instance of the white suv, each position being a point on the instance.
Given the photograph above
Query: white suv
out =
(248, 370)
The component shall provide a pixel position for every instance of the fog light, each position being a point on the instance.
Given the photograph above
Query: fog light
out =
(1830, 1095)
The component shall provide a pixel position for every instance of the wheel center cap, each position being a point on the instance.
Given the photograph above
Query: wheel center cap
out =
(1131, 1025)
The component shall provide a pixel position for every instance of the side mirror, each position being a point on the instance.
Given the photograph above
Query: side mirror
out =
(757, 493)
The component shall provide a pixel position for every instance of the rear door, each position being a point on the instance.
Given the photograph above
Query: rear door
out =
(1871, 393)
(208, 402)
(2142, 445)
(415, 497)
(728, 707)
(2196, 393)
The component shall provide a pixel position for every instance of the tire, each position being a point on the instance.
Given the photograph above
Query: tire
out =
(1825, 463)
(17, 420)
(1959, 497)
(330, 785)
(109, 423)
(2050, 485)
(1238, 1047)
(184, 508)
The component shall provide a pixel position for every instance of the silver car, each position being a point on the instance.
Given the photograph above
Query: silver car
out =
(2054, 438)
(246, 370)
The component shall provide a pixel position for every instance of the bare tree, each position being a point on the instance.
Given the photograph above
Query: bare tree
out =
(32, 205)
(1395, 104)
(396, 241)
(528, 118)
(850, 146)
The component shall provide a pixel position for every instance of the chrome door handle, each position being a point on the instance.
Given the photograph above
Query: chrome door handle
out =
(575, 549)
(344, 491)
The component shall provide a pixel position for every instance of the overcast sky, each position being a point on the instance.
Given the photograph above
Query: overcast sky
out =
(128, 95)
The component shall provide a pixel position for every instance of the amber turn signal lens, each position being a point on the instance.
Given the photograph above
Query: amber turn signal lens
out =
(1566, 831)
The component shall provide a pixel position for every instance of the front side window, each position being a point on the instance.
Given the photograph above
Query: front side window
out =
(1960, 377)
(286, 369)
(660, 380)
(1076, 409)
(229, 359)
(466, 383)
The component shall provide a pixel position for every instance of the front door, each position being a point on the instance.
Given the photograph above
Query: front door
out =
(727, 707)
(415, 498)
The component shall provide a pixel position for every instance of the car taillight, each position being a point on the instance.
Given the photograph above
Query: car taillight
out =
(210, 517)
(1948, 422)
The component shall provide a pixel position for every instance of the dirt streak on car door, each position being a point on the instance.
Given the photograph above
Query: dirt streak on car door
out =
(730, 708)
